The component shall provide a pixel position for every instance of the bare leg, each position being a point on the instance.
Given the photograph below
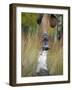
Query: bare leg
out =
(42, 68)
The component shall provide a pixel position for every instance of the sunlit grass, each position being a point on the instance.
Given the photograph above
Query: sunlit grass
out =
(55, 59)
(29, 56)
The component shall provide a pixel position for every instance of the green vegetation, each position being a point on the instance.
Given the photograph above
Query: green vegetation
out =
(30, 46)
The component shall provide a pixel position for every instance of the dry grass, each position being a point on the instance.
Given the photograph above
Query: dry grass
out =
(55, 59)
(30, 50)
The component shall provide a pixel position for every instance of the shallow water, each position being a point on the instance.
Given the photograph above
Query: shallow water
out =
(42, 63)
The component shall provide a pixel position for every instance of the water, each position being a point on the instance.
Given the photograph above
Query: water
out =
(42, 68)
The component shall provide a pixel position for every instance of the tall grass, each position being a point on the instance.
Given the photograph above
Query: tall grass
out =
(55, 59)
(30, 51)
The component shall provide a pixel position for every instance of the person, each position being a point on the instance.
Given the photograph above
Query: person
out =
(44, 21)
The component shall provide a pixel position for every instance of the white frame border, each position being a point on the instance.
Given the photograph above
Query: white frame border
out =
(63, 77)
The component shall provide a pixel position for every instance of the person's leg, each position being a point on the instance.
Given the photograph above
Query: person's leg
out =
(44, 27)
(42, 68)
(45, 22)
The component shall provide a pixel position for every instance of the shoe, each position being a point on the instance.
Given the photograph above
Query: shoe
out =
(45, 45)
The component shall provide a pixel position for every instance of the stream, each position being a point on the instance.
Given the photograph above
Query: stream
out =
(42, 68)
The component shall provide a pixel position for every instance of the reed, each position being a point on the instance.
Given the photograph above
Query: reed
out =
(30, 51)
